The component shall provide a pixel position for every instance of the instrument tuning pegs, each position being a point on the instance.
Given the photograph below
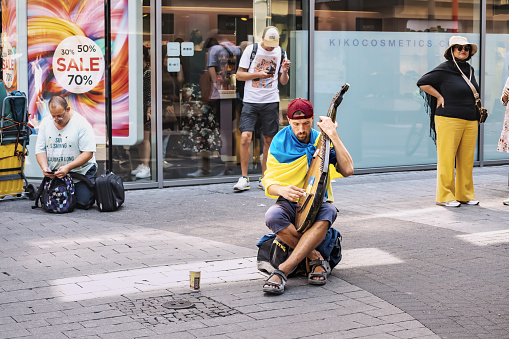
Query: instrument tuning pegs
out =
(339, 97)
(345, 88)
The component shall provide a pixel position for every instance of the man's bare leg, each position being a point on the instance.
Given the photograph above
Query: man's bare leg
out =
(303, 246)
(291, 237)
(245, 142)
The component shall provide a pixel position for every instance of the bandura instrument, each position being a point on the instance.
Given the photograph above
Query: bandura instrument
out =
(318, 171)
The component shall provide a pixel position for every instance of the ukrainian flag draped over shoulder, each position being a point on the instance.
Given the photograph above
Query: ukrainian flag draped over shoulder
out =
(289, 159)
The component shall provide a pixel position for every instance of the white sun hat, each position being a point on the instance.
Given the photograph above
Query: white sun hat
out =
(460, 40)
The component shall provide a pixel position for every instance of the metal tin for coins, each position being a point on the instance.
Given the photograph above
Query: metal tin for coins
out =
(194, 280)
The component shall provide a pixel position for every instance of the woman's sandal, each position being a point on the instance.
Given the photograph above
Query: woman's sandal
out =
(312, 265)
(273, 287)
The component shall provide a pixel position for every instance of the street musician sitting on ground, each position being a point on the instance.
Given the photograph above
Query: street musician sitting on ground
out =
(287, 164)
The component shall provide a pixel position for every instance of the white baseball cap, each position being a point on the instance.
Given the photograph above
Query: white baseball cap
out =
(271, 36)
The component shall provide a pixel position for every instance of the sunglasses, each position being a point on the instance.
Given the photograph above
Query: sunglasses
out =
(467, 48)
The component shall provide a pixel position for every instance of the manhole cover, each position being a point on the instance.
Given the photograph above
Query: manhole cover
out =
(177, 304)
(170, 309)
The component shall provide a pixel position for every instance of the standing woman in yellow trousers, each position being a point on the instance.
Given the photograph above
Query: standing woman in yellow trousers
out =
(454, 122)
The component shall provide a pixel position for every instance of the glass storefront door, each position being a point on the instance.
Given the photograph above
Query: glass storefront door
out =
(199, 115)
(137, 162)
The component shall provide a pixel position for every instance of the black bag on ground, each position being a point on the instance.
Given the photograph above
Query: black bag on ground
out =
(56, 195)
(271, 252)
(109, 192)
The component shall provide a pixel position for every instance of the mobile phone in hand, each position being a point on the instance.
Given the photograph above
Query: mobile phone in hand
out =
(50, 172)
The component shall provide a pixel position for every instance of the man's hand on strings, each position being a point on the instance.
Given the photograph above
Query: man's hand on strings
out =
(327, 126)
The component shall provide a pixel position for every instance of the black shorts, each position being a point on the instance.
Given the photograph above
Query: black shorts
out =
(282, 214)
(267, 113)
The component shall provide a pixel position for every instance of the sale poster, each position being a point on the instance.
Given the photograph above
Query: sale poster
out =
(66, 45)
(9, 45)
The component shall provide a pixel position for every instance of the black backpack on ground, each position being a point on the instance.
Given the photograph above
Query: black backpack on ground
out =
(109, 192)
(56, 195)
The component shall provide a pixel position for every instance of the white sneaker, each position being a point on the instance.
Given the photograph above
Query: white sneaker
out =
(260, 184)
(143, 173)
(242, 184)
(453, 203)
(137, 169)
(167, 164)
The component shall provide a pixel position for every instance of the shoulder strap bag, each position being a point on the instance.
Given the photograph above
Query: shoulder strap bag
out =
(482, 113)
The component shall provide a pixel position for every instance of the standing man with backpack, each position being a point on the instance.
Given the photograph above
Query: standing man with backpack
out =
(66, 143)
(262, 67)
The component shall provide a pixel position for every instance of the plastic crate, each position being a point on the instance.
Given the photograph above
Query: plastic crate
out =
(9, 182)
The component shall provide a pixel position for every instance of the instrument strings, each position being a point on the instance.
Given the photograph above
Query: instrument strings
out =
(322, 152)
(323, 139)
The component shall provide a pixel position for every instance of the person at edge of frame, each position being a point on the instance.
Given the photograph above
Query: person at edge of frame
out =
(503, 141)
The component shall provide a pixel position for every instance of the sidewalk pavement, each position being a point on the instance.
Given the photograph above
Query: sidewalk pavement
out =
(410, 269)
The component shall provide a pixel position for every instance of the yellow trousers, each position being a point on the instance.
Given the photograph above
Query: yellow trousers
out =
(456, 141)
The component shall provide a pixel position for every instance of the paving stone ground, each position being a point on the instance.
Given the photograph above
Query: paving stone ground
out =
(410, 269)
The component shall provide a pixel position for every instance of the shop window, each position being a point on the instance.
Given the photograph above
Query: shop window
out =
(382, 48)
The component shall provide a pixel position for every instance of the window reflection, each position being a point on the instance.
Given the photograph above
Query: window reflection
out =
(397, 16)
(137, 163)
(382, 48)
(201, 105)
(202, 139)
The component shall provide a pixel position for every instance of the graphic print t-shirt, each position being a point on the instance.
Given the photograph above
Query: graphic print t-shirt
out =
(261, 90)
(63, 146)
(224, 63)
